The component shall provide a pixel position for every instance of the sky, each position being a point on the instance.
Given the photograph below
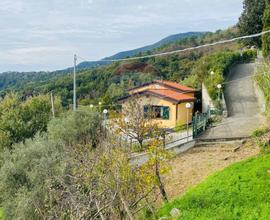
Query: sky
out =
(44, 34)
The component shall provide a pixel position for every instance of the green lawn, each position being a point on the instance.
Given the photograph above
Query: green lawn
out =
(241, 191)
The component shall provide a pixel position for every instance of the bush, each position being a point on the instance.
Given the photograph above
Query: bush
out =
(262, 78)
(259, 132)
(23, 177)
(220, 63)
(80, 127)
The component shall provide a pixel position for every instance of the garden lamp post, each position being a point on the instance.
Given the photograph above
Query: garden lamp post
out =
(219, 86)
(212, 73)
(99, 105)
(188, 106)
(105, 113)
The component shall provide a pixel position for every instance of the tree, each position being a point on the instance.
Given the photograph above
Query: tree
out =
(251, 22)
(156, 166)
(136, 124)
(20, 119)
(266, 26)
(80, 127)
(23, 176)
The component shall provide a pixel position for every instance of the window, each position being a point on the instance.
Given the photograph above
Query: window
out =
(159, 112)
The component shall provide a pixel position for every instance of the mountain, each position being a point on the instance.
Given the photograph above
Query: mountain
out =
(130, 53)
(167, 40)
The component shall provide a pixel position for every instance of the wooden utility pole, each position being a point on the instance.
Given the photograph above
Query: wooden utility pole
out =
(52, 102)
(74, 84)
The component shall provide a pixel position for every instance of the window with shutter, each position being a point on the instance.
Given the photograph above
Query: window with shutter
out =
(166, 113)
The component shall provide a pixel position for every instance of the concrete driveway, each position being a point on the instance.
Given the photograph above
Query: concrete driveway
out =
(244, 111)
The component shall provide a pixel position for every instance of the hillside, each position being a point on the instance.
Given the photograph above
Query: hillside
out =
(102, 83)
(165, 41)
(130, 53)
(15, 80)
(241, 191)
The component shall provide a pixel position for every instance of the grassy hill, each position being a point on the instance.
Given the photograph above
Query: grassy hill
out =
(241, 191)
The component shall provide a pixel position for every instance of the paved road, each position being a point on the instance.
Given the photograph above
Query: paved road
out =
(244, 112)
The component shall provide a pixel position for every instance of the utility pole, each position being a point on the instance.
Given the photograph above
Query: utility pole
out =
(52, 102)
(74, 84)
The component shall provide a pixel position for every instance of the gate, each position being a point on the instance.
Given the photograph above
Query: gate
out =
(199, 123)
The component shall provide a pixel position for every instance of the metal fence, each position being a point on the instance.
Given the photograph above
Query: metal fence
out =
(200, 123)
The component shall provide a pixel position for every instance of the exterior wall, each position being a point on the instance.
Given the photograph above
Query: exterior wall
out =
(192, 94)
(151, 86)
(151, 100)
(182, 114)
(206, 99)
(156, 86)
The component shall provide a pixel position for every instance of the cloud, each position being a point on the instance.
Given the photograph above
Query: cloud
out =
(33, 55)
(34, 31)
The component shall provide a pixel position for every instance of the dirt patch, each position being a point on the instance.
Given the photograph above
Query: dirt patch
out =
(194, 166)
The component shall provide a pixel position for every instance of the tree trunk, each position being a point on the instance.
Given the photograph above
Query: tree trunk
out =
(141, 143)
(160, 185)
(126, 208)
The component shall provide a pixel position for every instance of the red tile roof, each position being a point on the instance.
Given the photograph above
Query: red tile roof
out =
(172, 91)
(171, 94)
(174, 85)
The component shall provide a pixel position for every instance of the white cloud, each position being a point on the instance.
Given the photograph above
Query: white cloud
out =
(33, 31)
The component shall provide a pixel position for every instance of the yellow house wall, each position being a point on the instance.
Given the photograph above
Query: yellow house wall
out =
(151, 100)
(151, 86)
(182, 114)
(156, 86)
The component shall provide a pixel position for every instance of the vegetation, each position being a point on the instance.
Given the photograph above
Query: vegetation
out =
(266, 27)
(20, 120)
(241, 191)
(72, 167)
(262, 78)
(218, 63)
(251, 22)
(76, 170)
(107, 83)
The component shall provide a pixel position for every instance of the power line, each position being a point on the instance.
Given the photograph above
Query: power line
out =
(182, 50)
(187, 92)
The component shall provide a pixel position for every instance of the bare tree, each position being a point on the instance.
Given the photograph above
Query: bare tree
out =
(136, 124)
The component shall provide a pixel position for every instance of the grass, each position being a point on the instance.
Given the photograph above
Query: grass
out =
(1, 213)
(241, 191)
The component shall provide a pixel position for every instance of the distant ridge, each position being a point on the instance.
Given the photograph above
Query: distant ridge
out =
(170, 39)
(130, 53)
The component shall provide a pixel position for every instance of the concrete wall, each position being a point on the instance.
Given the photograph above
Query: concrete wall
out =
(259, 93)
(260, 97)
(140, 159)
(206, 99)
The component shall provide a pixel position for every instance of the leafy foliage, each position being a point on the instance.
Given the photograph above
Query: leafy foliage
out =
(220, 63)
(251, 22)
(262, 78)
(75, 172)
(20, 119)
(266, 27)
(106, 83)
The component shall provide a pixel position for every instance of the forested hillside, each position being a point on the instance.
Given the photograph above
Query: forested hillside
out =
(109, 82)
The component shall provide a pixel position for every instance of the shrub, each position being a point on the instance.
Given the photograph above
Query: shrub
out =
(262, 78)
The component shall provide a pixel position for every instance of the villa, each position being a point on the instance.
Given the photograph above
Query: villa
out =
(167, 99)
